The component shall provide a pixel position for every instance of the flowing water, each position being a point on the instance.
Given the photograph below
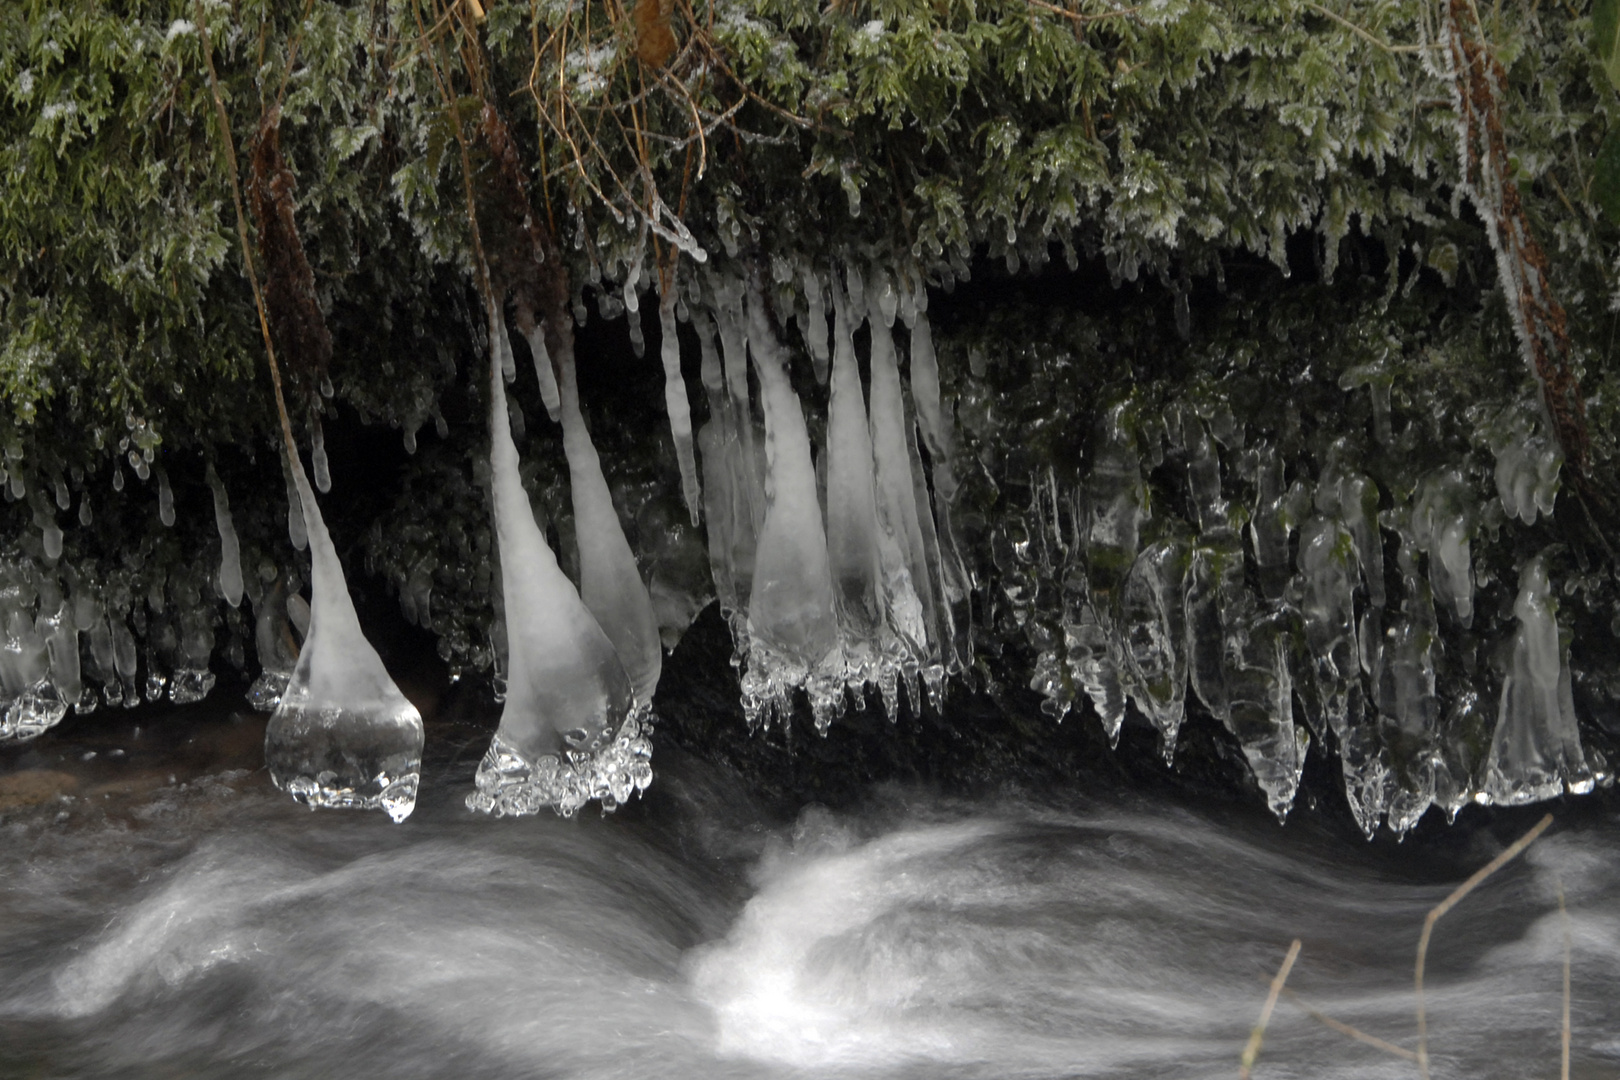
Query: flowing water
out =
(165, 912)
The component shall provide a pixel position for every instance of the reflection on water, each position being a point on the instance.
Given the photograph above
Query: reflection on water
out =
(206, 926)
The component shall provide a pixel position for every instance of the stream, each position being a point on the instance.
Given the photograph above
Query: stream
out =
(164, 912)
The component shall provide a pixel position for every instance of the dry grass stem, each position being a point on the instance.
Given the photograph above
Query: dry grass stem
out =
(1563, 917)
(1353, 1032)
(1507, 856)
(1252, 1050)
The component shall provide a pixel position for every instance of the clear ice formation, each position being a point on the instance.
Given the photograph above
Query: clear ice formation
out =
(165, 499)
(1261, 591)
(793, 638)
(733, 447)
(956, 584)
(535, 335)
(342, 734)
(1536, 750)
(609, 583)
(1442, 522)
(297, 531)
(230, 550)
(904, 529)
(1527, 465)
(317, 455)
(570, 728)
(274, 642)
(853, 550)
(676, 403)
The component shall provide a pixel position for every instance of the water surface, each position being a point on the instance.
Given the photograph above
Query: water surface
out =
(165, 912)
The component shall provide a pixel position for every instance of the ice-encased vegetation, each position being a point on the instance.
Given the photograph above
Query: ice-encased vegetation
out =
(1266, 455)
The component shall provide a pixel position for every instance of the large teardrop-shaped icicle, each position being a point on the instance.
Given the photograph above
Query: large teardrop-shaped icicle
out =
(609, 583)
(793, 634)
(343, 735)
(568, 730)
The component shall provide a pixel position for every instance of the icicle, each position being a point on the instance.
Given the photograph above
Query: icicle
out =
(1354, 499)
(1536, 750)
(297, 532)
(610, 585)
(45, 520)
(941, 629)
(852, 527)
(718, 443)
(165, 499)
(886, 300)
(816, 322)
(569, 730)
(317, 455)
(1327, 563)
(1406, 695)
(1377, 379)
(343, 735)
(501, 343)
(1527, 465)
(1442, 519)
(63, 500)
(908, 588)
(957, 584)
(124, 659)
(230, 551)
(1153, 611)
(192, 680)
(35, 706)
(1261, 705)
(793, 633)
(745, 463)
(61, 634)
(1277, 513)
(273, 640)
(1238, 650)
(103, 664)
(1092, 651)
(676, 404)
(118, 477)
(535, 334)
(85, 516)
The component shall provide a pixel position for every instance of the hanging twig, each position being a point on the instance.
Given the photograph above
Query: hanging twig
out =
(1477, 82)
(242, 233)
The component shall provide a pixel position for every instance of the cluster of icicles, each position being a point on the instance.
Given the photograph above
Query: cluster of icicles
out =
(839, 572)
(1118, 619)
(62, 635)
(875, 594)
